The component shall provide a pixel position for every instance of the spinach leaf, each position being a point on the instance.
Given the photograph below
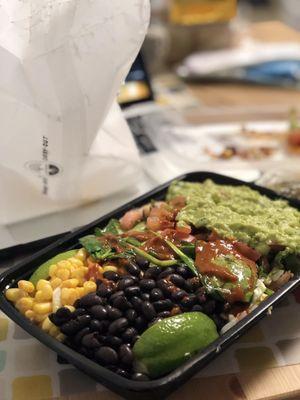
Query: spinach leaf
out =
(112, 227)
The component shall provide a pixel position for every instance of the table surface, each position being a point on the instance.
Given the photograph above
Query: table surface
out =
(273, 383)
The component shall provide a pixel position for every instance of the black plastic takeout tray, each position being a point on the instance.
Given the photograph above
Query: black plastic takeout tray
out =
(125, 387)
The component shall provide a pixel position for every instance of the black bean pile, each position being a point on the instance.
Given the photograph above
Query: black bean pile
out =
(106, 324)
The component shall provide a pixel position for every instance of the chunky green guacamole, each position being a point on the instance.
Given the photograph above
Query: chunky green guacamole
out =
(238, 212)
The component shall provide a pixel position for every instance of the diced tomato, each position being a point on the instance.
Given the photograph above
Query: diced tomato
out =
(159, 247)
(294, 138)
(178, 202)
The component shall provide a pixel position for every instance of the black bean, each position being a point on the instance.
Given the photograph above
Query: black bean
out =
(84, 320)
(129, 334)
(99, 312)
(148, 310)
(131, 315)
(192, 284)
(96, 325)
(218, 321)
(125, 354)
(56, 321)
(164, 314)
(178, 295)
(106, 355)
(209, 307)
(137, 376)
(78, 311)
(178, 280)
(64, 313)
(201, 295)
(70, 328)
(145, 296)
(134, 339)
(104, 290)
(118, 326)
(113, 341)
(79, 335)
(154, 321)
(185, 272)
(114, 313)
(188, 301)
(140, 323)
(125, 282)
(115, 295)
(147, 284)
(111, 276)
(142, 262)
(197, 307)
(165, 286)
(90, 300)
(152, 272)
(132, 291)
(136, 303)
(77, 303)
(156, 294)
(163, 305)
(122, 373)
(90, 341)
(166, 272)
(121, 303)
(133, 269)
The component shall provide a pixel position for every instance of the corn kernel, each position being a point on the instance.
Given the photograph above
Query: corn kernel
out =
(63, 274)
(75, 262)
(13, 294)
(40, 317)
(47, 325)
(41, 284)
(79, 273)
(60, 337)
(89, 287)
(29, 314)
(72, 296)
(25, 304)
(55, 282)
(80, 292)
(81, 254)
(110, 268)
(42, 308)
(71, 308)
(52, 270)
(54, 331)
(62, 264)
(26, 286)
(70, 283)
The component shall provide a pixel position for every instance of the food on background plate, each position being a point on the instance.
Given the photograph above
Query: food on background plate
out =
(149, 290)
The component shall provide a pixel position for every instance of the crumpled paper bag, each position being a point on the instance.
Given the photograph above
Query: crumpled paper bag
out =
(63, 138)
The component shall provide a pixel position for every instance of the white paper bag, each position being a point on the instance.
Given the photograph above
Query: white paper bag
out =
(63, 140)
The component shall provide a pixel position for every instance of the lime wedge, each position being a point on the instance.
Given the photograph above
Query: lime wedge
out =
(43, 271)
(168, 343)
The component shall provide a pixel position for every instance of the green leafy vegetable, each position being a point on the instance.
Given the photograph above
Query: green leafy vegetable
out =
(112, 227)
(139, 227)
(153, 260)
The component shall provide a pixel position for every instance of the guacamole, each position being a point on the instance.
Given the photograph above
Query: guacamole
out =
(238, 212)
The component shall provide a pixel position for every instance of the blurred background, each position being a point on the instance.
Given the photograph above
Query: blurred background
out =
(215, 87)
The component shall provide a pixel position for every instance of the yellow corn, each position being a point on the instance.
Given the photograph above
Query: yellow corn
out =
(29, 314)
(52, 270)
(79, 273)
(25, 304)
(26, 286)
(45, 294)
(76, 261)
(41, 284)
(70, 283)
(13, 294)
(81, 255)
(60, 337)
(55, 282)
(80, 292)
(47, 325)
(89, 287)
(63, 273)
(54, 331)
(110, 268)
(40, 317)
(68, 296)
(71, 308)
(42, 308)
